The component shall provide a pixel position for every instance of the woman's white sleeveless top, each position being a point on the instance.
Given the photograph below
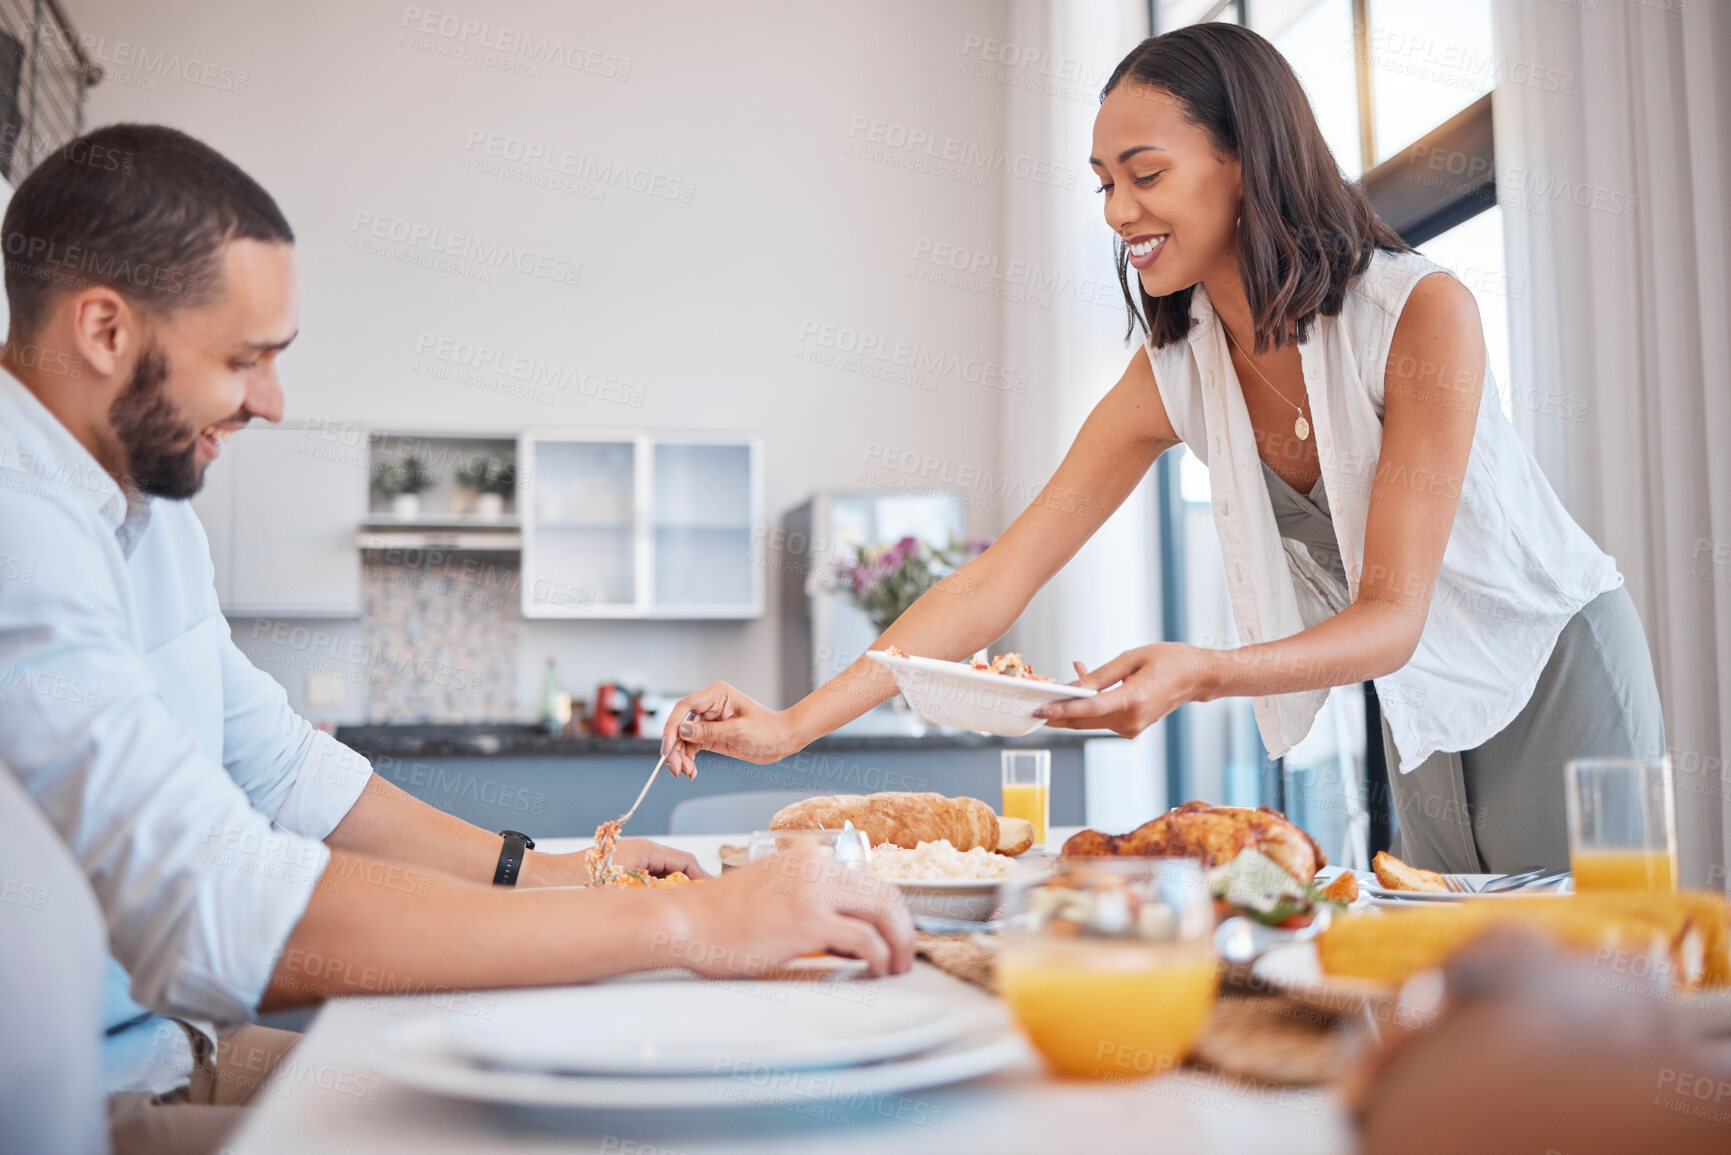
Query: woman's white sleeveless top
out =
(1516, 569)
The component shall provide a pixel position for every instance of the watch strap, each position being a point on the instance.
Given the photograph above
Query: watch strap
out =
(511, 857)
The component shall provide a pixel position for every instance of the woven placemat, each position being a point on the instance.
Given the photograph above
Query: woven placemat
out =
(1262, 1037)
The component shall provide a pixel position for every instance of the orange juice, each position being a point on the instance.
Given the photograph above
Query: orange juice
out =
(1030, 801)
(1623, 870)
(1109, 1010)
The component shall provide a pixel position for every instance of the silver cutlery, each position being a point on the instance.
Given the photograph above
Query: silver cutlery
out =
(1528, 878)
(607, 863)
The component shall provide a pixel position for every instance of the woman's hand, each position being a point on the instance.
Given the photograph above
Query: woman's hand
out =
(1148, 684)
(768, 912)
(727, 722)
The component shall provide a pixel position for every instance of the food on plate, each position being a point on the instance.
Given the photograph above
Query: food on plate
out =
(1681, 937)
(906, 819)
(598, 859)
(1258, 862)
(1397, 875)
(1008, 665)
(1343, 890)
(937, 861)
(644, 878)
(1213, 834)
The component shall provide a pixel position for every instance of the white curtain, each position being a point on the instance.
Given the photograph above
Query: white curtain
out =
(1614, 170)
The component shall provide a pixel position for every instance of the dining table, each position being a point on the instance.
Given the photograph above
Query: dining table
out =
(332, 1095)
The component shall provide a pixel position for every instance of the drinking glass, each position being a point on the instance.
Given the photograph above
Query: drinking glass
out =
(1027, 785)
(1622, 824)
(1108, 964)
(850, 846)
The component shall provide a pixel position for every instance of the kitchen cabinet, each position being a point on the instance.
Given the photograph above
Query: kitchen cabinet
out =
(280, 508)
(620, 524)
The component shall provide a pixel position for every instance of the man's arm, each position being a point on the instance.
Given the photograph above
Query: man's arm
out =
(310, 783)
(196, 887)
(375, 927)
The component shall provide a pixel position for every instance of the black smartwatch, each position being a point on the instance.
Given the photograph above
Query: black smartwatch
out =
(511, 857)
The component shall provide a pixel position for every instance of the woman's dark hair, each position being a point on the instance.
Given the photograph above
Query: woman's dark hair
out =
(1304, 230)
(143, 209)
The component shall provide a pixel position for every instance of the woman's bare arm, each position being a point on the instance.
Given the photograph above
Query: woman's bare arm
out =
(969, 609)
(1432, 394)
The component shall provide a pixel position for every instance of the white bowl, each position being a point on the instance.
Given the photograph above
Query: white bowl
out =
(956, 694)
(969, 900)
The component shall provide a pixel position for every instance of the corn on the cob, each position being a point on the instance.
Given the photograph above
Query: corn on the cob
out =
(1689, 932)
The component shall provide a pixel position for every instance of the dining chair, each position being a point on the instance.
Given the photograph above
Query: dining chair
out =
(737, 813)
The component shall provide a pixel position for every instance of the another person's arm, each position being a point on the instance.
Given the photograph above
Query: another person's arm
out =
(373, 927)
(1432, 395)
(971, 608)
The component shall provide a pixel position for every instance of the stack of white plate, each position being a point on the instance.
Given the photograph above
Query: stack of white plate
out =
(694, 1044)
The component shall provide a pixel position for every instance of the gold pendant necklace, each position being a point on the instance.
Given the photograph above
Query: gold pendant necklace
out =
(1301, 427)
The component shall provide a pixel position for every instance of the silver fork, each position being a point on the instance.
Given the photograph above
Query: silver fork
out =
(1458, 885)
(607, 863)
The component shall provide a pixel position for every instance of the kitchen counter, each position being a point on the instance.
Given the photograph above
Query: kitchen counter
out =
(516, 740)
(518, 777)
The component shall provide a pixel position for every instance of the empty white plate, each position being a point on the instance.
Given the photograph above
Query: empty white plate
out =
(667, 1029)
(979, 1051)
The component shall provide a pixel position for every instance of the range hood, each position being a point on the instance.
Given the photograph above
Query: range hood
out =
(456, 534)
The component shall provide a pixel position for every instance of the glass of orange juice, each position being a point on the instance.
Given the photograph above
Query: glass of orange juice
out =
(1027, 787)
(1622, 824)
(1108, 964)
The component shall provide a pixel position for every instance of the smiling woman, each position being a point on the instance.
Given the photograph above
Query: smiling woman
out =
(1378, 517)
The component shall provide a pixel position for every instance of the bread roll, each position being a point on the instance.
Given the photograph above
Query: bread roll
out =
(898, 818)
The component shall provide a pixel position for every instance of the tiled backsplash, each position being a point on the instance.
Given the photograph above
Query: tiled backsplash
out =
(443, 634)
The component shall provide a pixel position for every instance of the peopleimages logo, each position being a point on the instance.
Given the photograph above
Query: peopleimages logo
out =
(374, 230)
(554, 160)
(122, 56)
(518, 43)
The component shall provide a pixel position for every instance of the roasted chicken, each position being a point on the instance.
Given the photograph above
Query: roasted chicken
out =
(1212, 834)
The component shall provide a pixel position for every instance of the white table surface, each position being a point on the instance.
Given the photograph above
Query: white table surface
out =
(329, 1097)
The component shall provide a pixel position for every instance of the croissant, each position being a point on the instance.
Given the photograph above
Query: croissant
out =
(907, 819)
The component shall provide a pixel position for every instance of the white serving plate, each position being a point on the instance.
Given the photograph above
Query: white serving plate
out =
(667, 1029)
(978, 1051)
(955, 694)
(1368, 885)
(968, 899)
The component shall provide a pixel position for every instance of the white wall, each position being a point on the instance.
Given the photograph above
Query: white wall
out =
(703, 308)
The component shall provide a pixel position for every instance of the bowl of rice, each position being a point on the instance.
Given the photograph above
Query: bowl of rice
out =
(938, 880)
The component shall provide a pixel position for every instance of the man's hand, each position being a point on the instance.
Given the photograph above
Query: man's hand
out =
(652, 858)
(727, 722)
(1550, 1052)
(766, 913)
(628, 854)
(1147, 684)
